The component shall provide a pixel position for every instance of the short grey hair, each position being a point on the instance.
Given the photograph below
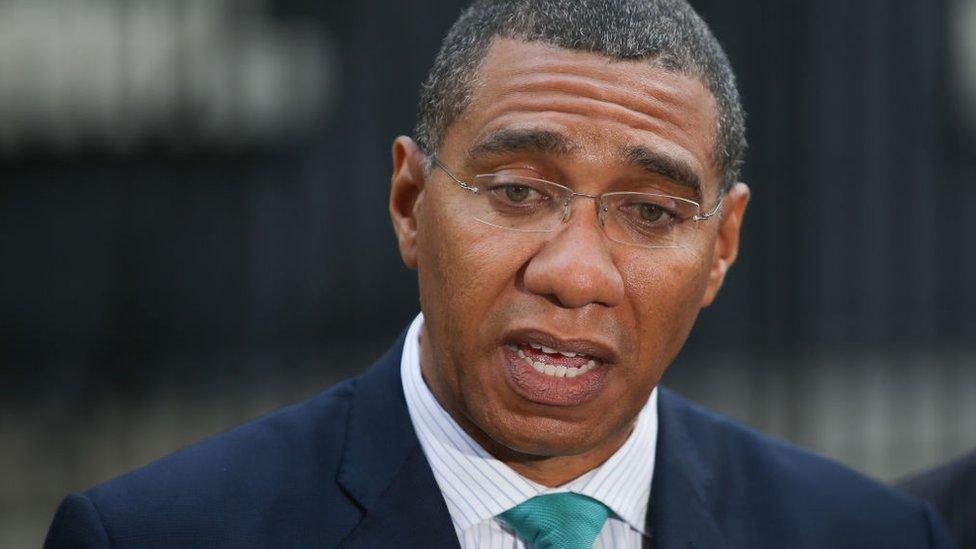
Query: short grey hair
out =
(668, 32)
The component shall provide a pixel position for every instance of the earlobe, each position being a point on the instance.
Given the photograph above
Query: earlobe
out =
(406, 193)
(727, 240)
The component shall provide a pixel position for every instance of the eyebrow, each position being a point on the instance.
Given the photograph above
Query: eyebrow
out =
(541, 141)
(506, 141)
(666, 166)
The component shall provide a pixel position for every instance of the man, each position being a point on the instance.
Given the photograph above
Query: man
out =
(951, 488)
(570, 204)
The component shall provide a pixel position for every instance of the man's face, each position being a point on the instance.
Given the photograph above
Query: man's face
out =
(491, 297)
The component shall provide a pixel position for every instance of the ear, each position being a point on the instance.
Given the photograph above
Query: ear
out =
(727, 240)
(406, 193)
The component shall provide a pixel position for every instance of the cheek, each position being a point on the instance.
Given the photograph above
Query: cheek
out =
(464, 267)
(666, 295)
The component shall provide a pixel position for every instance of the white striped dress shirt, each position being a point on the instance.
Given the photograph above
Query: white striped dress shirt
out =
(477, 487)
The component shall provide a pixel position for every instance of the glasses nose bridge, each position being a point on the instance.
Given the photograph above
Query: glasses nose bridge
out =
(568, 206)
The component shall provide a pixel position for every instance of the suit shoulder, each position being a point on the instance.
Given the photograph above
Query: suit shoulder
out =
(314, 424)
(238, 481)
(798, 489)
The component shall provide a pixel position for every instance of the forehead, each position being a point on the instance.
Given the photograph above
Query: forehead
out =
(602, 105)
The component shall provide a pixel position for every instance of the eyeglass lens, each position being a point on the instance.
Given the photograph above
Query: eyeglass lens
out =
(531, 205)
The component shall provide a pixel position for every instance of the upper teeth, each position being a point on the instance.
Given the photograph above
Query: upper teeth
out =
(552, 351)
(552, 370)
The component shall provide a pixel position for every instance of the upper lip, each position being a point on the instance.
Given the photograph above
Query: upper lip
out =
(600, 351)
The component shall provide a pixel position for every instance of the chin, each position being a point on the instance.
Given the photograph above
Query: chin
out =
(546, 437)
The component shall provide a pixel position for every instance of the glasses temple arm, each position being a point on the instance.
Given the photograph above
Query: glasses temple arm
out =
(462, 184)
(713, 213)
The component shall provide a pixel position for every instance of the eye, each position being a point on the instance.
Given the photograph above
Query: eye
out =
(516, 193)
(650, 213)
(646, 213)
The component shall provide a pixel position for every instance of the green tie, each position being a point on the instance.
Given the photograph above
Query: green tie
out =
(558, 521)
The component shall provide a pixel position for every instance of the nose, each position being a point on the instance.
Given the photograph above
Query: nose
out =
(575, 267)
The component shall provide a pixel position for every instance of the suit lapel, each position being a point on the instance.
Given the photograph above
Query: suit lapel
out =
(385, 471)
(679, 514)
(384, 468)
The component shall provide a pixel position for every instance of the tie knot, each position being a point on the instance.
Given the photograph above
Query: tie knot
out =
(558, 521)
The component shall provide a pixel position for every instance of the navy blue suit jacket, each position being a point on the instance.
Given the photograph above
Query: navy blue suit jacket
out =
(345, 469)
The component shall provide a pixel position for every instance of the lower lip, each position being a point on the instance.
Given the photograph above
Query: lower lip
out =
(554, 391)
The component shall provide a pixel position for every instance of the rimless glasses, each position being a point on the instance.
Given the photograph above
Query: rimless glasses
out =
(529, 205)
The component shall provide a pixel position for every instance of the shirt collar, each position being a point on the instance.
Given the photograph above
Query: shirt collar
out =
(477, 487)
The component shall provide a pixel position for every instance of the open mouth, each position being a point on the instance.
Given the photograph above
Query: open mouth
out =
(554, 362)
(544, 368)
(560, 372)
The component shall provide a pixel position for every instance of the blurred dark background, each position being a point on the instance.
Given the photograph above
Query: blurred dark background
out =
(193, 225)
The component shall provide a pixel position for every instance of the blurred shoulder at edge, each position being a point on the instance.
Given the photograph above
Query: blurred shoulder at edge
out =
(951, 489)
